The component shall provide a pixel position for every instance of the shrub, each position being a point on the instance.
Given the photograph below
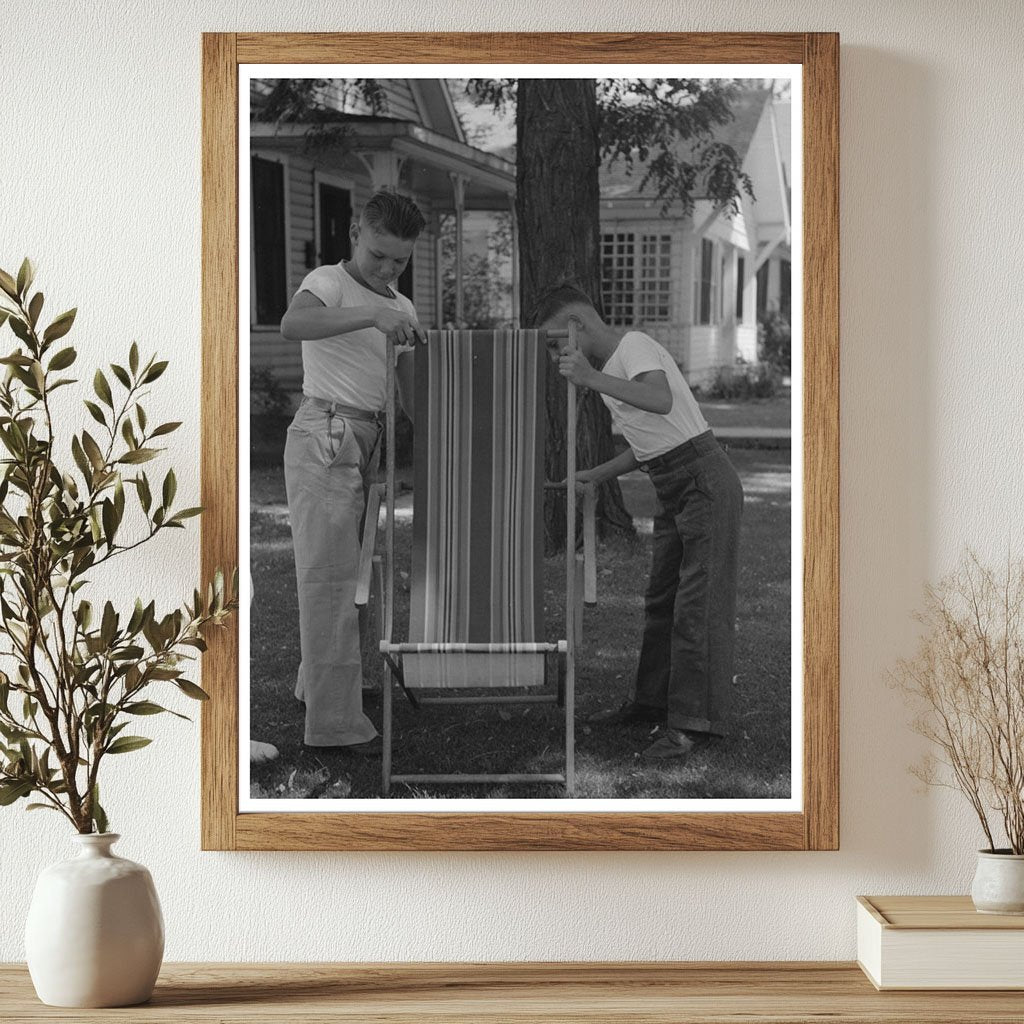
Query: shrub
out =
(744, 381)
(773, 341)
(268, 397)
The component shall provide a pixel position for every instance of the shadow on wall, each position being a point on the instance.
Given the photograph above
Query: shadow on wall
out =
(888, 271)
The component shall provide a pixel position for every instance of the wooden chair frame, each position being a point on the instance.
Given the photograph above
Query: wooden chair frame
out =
(580, 588)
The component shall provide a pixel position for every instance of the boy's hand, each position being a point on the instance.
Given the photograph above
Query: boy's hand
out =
(583, 477)
(398, 327)
(573, 365)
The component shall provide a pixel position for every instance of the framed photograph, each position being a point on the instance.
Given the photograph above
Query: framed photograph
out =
(521, 420)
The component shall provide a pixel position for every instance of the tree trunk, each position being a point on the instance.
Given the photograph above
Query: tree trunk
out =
(557, 209)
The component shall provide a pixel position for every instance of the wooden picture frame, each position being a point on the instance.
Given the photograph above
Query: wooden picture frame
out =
(816, 826)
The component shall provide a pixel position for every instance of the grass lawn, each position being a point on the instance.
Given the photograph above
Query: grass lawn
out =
(753, 762)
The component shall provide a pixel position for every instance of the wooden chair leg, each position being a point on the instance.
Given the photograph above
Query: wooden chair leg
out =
(577, 623)
(590, 544)
(378, 587)
(570, 721)
(386, 730)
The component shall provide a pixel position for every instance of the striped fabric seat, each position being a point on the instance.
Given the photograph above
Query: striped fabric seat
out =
(477, 565)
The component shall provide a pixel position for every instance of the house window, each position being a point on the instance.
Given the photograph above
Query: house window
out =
(636, 278)
(270, 275)
(405, 281)
(762, 290)
(785, 288)
(741, 272)
(618, 278)
(655, 278)
(721, 289)
(706, 284)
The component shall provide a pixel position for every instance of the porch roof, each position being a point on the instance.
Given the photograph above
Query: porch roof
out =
(430, 158)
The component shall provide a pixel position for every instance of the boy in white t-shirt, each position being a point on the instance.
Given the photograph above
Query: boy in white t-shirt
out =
(343, 315)
(686, 658)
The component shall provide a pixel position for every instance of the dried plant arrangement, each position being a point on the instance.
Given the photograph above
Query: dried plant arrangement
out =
(967, 682)
(79, 672)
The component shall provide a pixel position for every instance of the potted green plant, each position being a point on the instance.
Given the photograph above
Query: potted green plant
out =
(967, 682)
(79, 671)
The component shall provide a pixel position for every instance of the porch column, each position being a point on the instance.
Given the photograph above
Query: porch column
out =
(459, 196)
(438, 271)
(385, 168)
(515, 263)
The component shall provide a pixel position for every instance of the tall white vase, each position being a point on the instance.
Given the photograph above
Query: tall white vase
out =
(95, 933)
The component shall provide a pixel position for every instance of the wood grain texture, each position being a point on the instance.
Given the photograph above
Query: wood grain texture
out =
(821, 440)
(818, 826)
(520, 47)
(936, 912)
(613, 993)
(219, 429)
(582, 831)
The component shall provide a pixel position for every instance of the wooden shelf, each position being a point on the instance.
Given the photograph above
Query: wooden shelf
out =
(663, 993)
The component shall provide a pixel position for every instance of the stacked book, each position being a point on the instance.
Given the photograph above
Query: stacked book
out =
(938, 942)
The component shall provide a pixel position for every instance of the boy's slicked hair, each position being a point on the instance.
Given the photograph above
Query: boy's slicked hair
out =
(553, 302)
(395, 214)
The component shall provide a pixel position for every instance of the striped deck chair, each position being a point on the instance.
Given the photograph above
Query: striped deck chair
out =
(476, 617)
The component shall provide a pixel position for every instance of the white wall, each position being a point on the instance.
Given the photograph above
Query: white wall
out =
(100, 182)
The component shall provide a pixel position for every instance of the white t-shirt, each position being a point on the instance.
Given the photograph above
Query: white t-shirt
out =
(350, 368)
(651, 434)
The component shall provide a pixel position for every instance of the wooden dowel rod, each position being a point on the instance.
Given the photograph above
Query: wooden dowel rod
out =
(475, 779)
(526, 698)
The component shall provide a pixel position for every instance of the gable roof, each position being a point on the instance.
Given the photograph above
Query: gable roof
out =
(620, 182)
(417, 101)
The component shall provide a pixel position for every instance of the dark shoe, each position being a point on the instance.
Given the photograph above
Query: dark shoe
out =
(371, 748)
(629, 713)
(671, 743)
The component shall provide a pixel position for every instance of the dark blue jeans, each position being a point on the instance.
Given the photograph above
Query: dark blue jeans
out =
(686, 659)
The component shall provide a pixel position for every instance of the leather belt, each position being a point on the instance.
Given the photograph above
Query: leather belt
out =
(349, 412)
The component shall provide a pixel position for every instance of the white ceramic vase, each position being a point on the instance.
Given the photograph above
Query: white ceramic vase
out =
(95, 933)
(999, 883)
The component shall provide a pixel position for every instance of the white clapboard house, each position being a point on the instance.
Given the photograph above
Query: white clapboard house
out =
(698, 284)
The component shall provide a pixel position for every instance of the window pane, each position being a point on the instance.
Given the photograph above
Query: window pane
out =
(618, 274)
(762, 290)
(706, 264)
(269, 240)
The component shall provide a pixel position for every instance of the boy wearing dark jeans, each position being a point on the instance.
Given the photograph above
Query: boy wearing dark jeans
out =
(686, 658)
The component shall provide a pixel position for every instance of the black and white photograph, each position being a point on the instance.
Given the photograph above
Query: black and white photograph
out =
(519, 472)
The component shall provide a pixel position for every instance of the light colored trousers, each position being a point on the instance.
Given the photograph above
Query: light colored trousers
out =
(329, 461)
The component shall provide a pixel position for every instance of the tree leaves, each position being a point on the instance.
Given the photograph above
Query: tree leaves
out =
(99, 816)
(102, 388)
(154, 372)
(138, 455)
(14, 790)
(59, 327)
(8, 285)
(191, 690)
(126, 744)
(62, 360)
(170, 488)
(26, 274)
(35, 307)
